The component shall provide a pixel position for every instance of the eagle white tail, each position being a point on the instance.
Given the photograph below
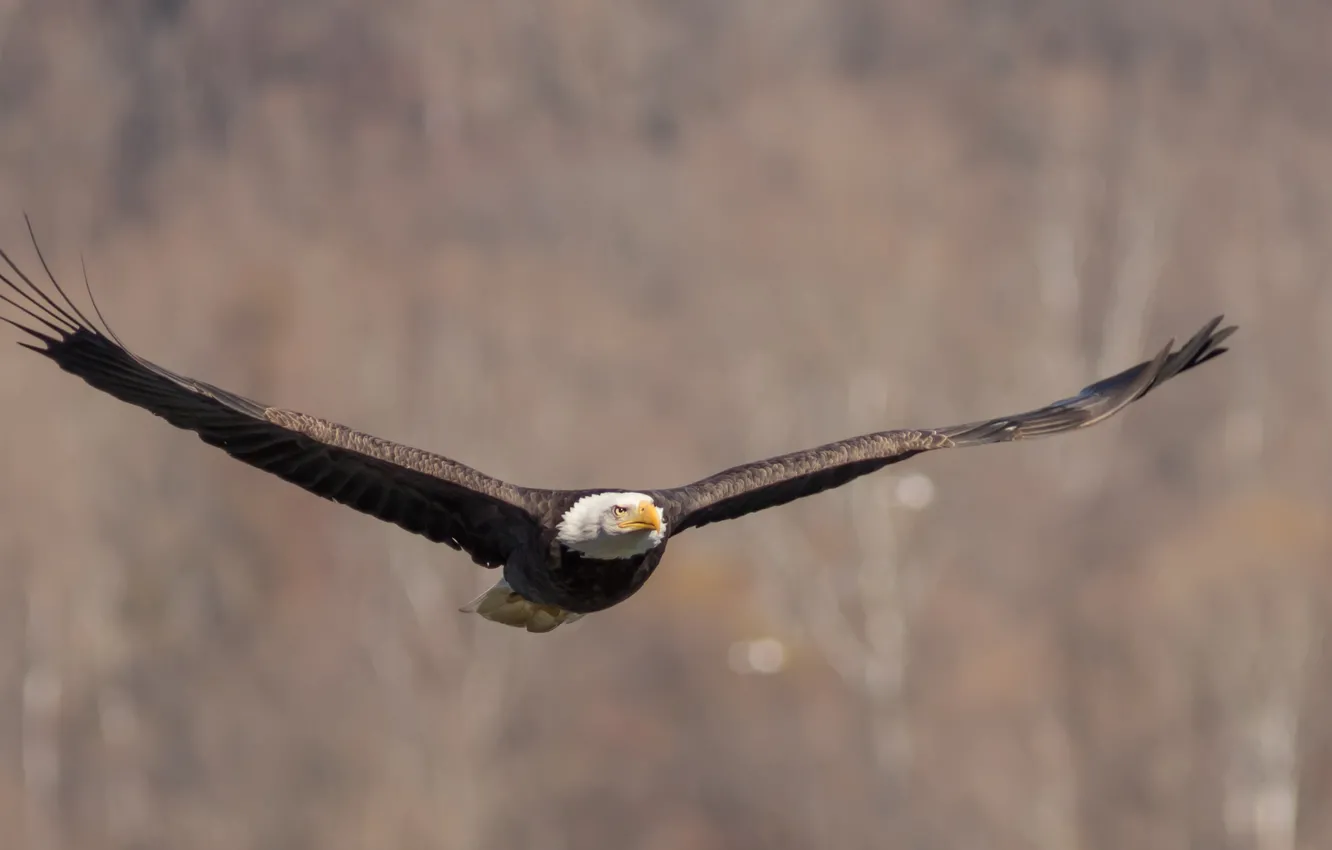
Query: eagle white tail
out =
(501, 604)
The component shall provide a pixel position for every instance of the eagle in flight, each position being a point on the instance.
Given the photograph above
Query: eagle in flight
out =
(563, 553)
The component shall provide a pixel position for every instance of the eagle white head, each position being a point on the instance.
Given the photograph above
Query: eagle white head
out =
(609, 526)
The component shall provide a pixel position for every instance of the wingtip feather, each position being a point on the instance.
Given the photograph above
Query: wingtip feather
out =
(48, 341)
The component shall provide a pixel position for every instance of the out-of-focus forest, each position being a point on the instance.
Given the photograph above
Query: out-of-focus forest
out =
(576, 243)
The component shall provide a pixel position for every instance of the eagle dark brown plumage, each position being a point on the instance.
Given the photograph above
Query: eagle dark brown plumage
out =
(564, 553)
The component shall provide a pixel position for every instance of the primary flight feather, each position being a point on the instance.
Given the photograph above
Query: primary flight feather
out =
(563, 553)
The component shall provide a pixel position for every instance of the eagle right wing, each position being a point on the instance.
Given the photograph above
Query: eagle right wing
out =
(424, 493)
(776, 481)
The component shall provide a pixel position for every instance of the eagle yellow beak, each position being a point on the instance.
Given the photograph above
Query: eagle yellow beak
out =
(644, 517)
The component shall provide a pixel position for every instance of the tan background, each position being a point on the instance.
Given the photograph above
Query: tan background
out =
(627, 243)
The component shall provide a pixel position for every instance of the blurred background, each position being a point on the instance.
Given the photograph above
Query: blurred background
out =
(581, 243)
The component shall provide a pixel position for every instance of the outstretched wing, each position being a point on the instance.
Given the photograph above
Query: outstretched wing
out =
(768, 483)
(424, 493)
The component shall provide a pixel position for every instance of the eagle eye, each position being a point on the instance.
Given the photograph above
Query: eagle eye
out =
(620, 510)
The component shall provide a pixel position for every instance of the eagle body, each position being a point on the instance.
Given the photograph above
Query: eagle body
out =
(565, 581)
(562, 554)
(554, 573)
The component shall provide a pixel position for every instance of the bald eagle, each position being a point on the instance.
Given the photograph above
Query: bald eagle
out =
(563, 553)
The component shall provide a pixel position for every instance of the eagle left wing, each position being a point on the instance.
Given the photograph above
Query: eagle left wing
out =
(424, 493)
(778, 480)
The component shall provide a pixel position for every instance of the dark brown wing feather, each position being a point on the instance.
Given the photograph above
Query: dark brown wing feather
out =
(768, 483)
(424, 493)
